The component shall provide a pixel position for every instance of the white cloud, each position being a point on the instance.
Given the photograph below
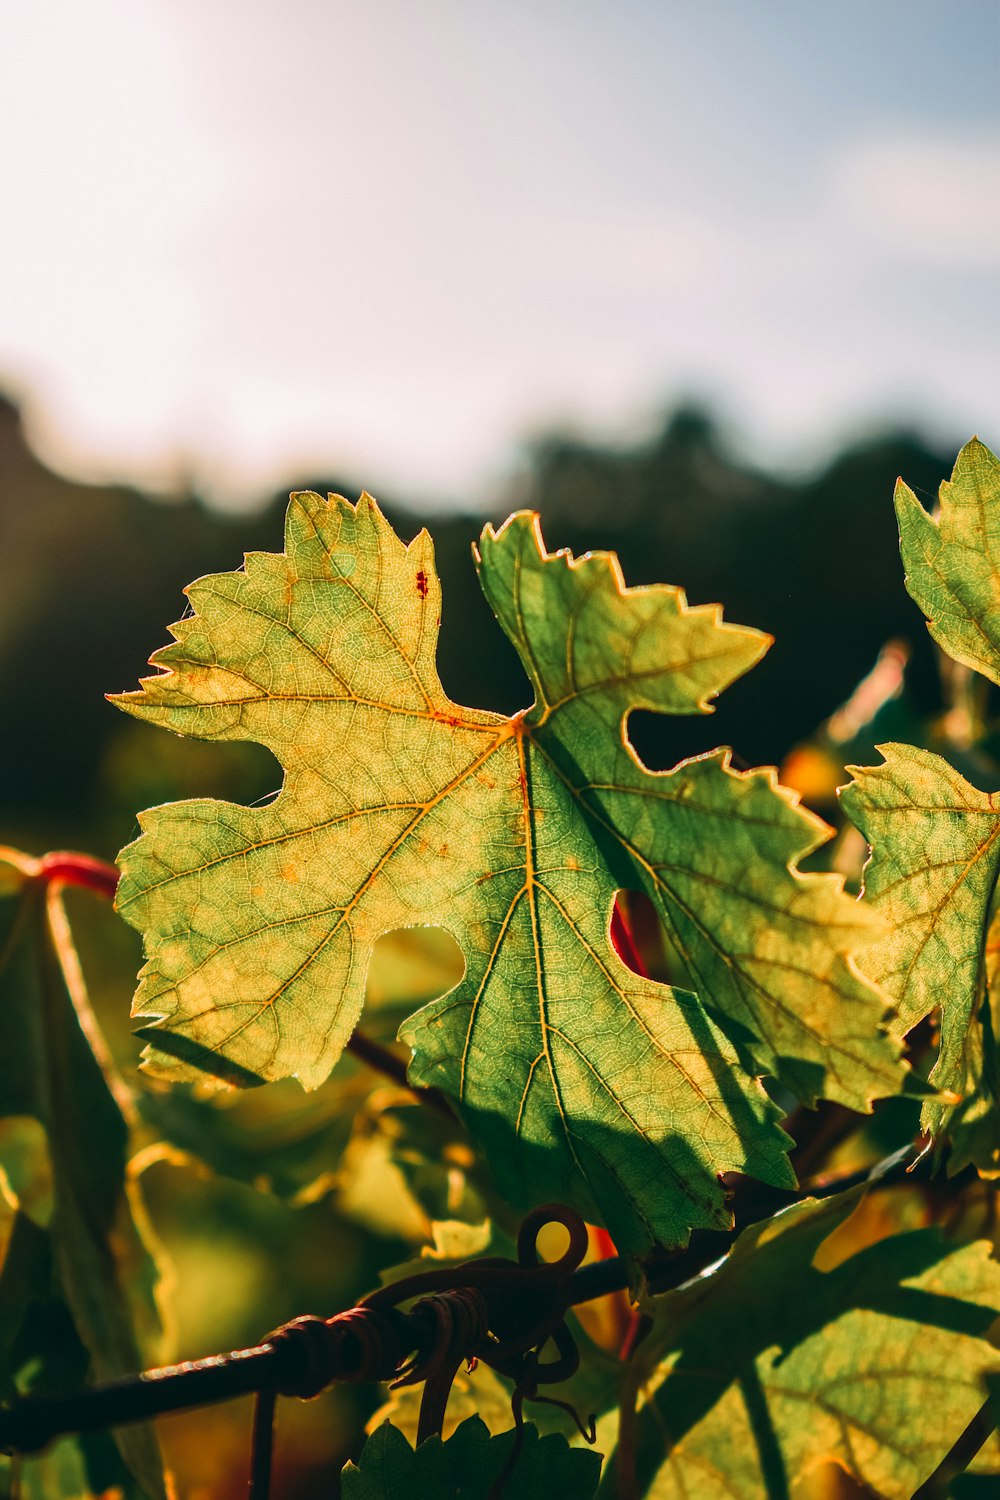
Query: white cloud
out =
(924, 197)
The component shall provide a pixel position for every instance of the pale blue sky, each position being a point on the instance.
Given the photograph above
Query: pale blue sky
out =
(246, 241)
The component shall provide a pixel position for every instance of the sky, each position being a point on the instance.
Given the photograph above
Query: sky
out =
(245, 242)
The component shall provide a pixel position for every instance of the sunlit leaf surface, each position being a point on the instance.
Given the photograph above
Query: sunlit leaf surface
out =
(952, 561)
(581, 1080)
(935, 857)
(770, 1367)
(935, 839)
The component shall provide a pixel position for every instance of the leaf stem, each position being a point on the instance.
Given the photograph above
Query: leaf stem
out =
(392, 1066)
(65, 867)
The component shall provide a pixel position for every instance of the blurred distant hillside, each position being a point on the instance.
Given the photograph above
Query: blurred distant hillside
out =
(91, 576)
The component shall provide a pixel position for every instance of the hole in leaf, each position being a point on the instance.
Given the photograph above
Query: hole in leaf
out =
(660, 741)
(477, 663)
(412, 966)
(638, 935)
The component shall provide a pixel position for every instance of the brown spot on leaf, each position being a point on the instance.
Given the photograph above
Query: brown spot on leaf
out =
(422, 584)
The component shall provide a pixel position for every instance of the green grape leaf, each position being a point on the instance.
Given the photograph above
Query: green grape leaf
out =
(974, 1127)
(580, 1079)
(934, 863)
(935, 850)
(952, 563)
(465, 1466)
(75, 1246)
(749, 1388)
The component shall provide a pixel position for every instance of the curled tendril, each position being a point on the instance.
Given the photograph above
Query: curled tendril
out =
(498, 1311)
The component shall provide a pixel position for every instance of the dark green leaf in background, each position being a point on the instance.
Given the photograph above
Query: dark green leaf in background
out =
(77, 1278)
(465, 1466)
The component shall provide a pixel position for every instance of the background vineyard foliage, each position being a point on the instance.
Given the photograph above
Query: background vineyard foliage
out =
(311, 1194)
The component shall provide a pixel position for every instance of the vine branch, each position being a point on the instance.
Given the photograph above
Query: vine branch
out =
(370, 1342)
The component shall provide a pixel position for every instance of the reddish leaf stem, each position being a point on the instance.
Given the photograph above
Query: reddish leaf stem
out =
(66, 867)
(639, 1326)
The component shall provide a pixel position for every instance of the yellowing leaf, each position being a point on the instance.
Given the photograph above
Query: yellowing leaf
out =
(580, 1079)
(768, 1368)
(935, 857)
(935, 852)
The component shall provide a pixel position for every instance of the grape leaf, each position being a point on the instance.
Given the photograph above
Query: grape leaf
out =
(934, 863)
(581, 1080)
(76, 1274)
(974, 1125)
(465, 1466)
(750, 1388)
(952, 563)
(935, 839)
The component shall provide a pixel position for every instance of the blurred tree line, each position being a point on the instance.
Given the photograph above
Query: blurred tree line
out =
(90, 576)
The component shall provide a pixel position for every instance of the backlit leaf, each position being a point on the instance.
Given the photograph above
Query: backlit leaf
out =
(935, 857)
(935, 850)
(581, 1080)
(952, 562)
(769, 1367)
